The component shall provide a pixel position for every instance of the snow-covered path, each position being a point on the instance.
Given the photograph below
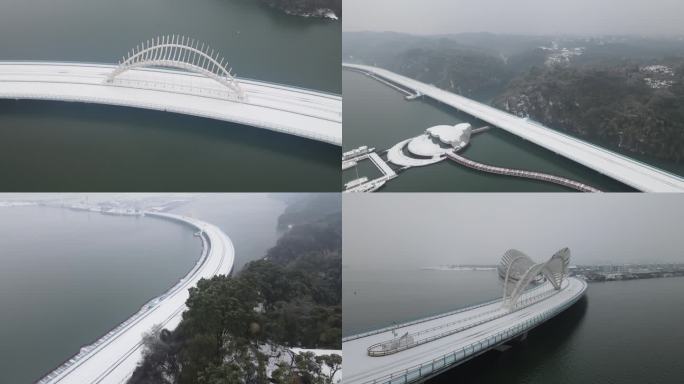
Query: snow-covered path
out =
(112, 359)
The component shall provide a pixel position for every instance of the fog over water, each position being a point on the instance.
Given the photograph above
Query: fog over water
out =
(658, 17)
(400, 231)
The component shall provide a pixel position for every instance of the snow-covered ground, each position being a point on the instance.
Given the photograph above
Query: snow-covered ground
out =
(113, 358)
(291, 110)
(658, 83)
(657, 69)
(16, 203)
(622, 168)
(660, 76)
(557, 55)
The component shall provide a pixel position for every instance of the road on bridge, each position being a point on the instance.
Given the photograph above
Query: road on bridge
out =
(290, 110)
(113, 358)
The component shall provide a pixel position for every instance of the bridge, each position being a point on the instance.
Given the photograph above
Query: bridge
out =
(113, 358)
(622, 168)
(417, 350)
(545, 177)
(180, 75)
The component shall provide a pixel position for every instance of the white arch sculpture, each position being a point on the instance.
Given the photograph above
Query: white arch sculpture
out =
(518, 271)
(181, 52)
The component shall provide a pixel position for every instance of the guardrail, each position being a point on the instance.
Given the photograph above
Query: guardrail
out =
(424, 319)
(113, 65)
(420, 371)
(380, 349)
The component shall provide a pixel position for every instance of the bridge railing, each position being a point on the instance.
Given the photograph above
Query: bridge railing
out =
(392, 346)
(427, 369)
(424, 319)
(288, 86)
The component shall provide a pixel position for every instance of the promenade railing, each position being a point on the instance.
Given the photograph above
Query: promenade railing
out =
(394, 346)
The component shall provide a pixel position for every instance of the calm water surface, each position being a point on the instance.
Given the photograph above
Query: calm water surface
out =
(68, 277)
(622, 332)
(59, 146)
(86, 147)
(378, 116)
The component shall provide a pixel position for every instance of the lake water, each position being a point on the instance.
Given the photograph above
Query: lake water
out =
(76, 147)
(68, 277)
(378, 116)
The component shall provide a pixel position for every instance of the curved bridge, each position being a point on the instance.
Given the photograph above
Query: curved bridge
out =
(113, 358)
(545, 177)
(415, 351)
(175, 74)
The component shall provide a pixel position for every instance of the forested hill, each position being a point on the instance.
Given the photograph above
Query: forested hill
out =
(236, 327)
(628, 108)
(306, 208)
(311, 8)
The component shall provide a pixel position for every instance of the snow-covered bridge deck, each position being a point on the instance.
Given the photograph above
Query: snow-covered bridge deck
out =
(380, 163)
(455, 337)
(622, 168)
(112, 358)
(291, 110)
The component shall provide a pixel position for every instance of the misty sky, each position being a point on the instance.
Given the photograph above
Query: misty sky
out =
(392, 230)
(534, 17)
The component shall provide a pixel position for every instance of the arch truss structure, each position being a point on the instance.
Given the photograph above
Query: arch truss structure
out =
(518, 271)
(181, 52)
